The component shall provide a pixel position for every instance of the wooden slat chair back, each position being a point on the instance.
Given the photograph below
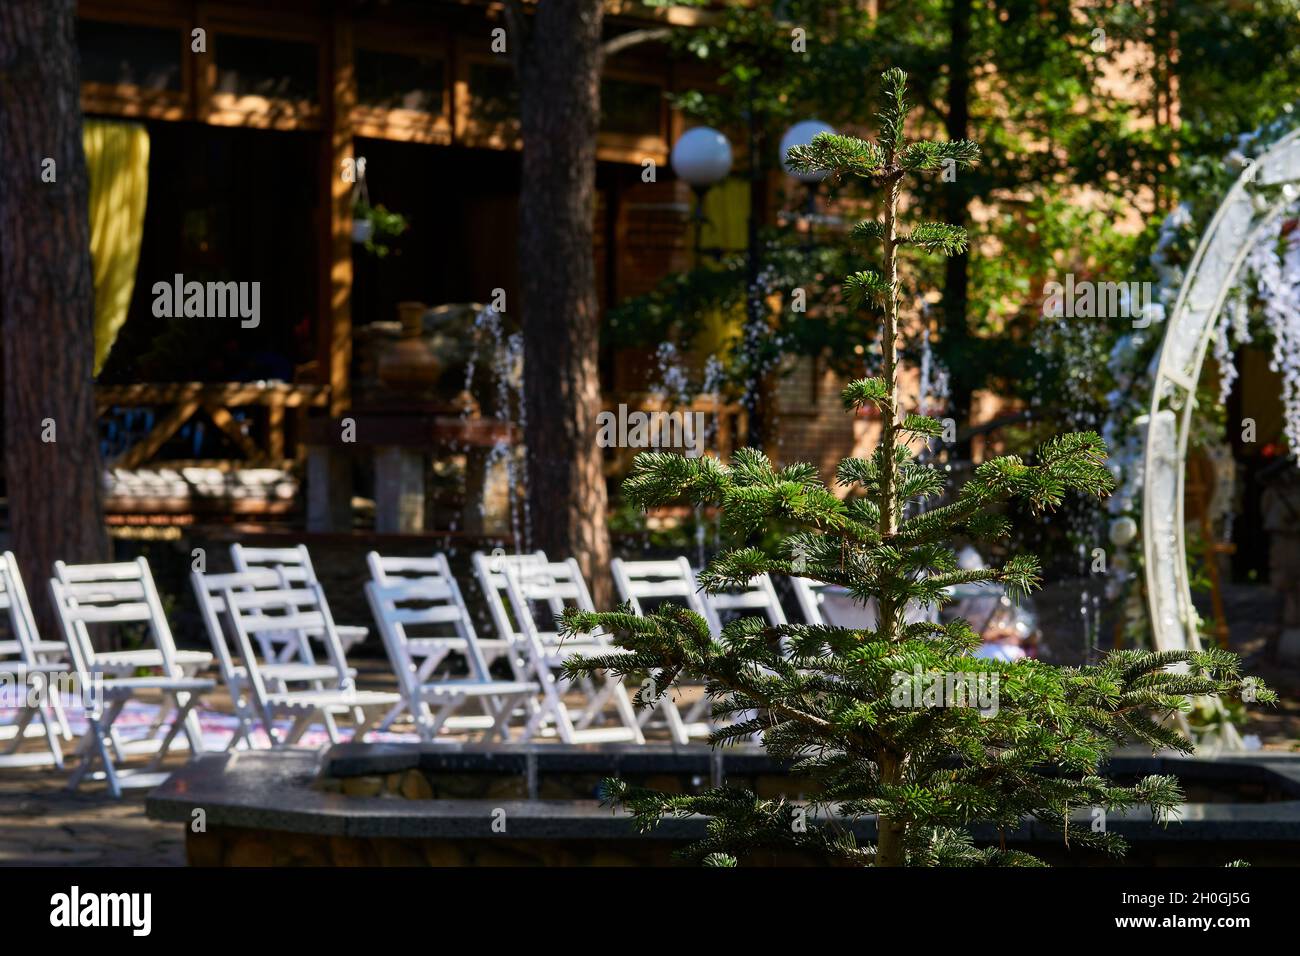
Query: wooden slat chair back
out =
(759, 595)
(33, 665)
(296, 566)
(435, 571)
(209, 591)
(647, 584)
(411, 597)
(516, 588)
(553, 586)
(489, 571)
(126, 591)
(807, 593)
(297, 608)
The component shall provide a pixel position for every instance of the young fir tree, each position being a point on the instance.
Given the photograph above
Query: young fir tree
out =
(852, 709)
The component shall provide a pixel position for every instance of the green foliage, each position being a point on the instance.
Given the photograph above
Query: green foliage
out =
(938, 237)
(852, 709)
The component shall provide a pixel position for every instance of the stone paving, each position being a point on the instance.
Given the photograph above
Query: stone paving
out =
(43, 824)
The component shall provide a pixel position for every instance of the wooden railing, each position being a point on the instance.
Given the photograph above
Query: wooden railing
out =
(227, 405)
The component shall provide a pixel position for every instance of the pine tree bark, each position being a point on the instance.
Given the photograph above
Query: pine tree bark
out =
(891, 835)
(47, 299)
(558, 60)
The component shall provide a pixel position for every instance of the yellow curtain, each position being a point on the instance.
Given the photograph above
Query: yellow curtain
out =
(117, 158)
(726, 211)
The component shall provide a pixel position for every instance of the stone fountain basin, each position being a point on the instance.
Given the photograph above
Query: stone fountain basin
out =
(535, 804)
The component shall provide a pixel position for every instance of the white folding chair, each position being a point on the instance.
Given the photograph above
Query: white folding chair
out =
(512, 587)
(115, 594)
(641, 582)
(758, 594)
(293, 609)
(422, 593)
(646, 584)
(208, 589)
(126, 662)
(35, 667)
(809, 597)
(296, 565)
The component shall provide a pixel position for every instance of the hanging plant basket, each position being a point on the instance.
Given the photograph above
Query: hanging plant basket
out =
(373, 225)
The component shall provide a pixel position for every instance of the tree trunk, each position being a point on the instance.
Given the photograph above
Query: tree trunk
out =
(758, 328)
(47, 299)
(956, 333)
(891, 835)
(559, 63)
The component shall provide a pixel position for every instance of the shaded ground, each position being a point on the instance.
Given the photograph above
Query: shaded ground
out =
(43, 824)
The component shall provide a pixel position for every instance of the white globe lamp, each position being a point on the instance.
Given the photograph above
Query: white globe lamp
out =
(701, 157)
(801, 134)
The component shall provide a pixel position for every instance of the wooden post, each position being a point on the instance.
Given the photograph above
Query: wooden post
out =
(336, 295)
(275, 428)
(329, 471)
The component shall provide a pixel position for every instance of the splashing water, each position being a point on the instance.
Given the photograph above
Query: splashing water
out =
(505, 362)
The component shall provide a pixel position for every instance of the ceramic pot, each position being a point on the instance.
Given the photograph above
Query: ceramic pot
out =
(410, 364)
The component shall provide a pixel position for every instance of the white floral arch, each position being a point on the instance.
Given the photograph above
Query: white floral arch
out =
(1259, 197)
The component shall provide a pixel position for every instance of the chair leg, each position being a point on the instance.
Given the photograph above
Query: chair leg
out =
(424, 727)
(363, 726)
(99, 731)
(61, 714)
(553, 706)
(623, 704)
(118, 747)
(243, 725)
(331, 727)
(177, 724)
(299, 727)
(110, 774)
(52, 736)
(501, 708)
(193, 727)
(394, 712)
(676, 727)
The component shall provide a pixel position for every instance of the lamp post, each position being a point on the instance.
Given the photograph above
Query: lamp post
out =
(701, 158)
(801, 134)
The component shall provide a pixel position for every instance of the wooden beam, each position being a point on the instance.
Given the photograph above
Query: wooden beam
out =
(223, 393)
(141, 452)
(222, 418)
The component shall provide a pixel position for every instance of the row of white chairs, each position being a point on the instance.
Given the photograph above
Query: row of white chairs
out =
(283, 657)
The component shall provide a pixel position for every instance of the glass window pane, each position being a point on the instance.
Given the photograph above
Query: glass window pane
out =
(493, 96)
(274, 69)
(113, 53)
(399, 81)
